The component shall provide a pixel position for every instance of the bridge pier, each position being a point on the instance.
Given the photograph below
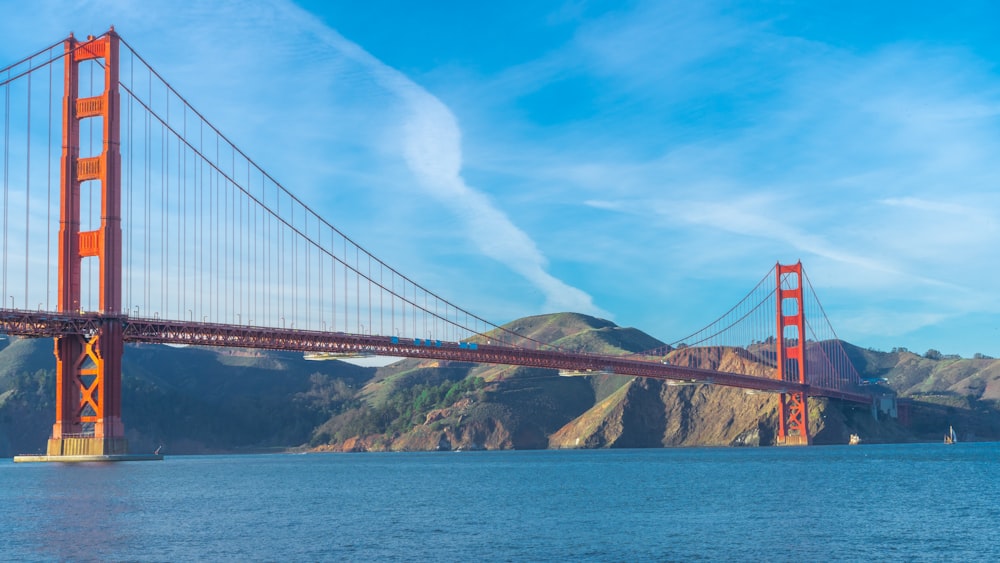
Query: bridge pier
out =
(793, 420)
(88, 394)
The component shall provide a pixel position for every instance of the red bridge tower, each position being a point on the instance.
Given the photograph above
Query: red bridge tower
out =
(793, 413)
(88, 368)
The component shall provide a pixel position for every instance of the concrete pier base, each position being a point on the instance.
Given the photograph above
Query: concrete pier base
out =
(85, 458)
(86, 445)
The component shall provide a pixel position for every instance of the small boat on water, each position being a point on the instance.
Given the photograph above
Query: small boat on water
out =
(855, 440)
(950, 437)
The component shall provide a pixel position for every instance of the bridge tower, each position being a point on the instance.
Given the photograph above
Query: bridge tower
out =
(88, 368)
(790, 356)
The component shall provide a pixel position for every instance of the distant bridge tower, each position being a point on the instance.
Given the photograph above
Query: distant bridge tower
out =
(793, 414)
(88, 368)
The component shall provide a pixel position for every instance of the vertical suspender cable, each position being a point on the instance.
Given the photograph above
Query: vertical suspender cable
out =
(182, 224)
(200, 240)
(165, 245)
(347, 323)
(320, 290)
(237, 264)
(268, 255)
(229, 292)
(128, 194)
(147, 189)
(381, 296)
(252, 258)
(48, 207)
(6, 182)
(357, 288)
(371, 329)
(27, 193)
(179, 205)
(240, 250)
(334, 285)
(308, 249)
(281, 257)
(255, 267)
(216, 239)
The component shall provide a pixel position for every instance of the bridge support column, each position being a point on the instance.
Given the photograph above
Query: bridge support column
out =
(793, 420)
(88, 367)
(793, 412)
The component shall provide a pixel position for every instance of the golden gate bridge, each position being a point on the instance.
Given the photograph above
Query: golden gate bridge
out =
(128, 217)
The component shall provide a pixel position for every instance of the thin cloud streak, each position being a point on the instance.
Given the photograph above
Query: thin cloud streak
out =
(431, 146)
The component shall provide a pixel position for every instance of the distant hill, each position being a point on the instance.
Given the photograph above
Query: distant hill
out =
(193, 400)
(189, 400)
(948, 379)
(941, 390)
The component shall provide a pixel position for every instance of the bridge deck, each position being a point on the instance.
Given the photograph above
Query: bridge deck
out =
(40, 324)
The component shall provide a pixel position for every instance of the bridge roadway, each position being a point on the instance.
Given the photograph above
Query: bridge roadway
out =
(41, 324)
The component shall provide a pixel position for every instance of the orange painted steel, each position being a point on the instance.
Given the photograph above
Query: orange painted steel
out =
(793, 413)
(88, 364)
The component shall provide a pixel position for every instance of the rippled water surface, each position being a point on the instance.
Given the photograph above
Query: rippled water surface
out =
(902, 502)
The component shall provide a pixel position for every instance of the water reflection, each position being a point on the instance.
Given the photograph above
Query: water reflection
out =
(75, 510)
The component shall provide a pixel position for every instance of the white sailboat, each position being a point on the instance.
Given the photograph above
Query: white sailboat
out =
(950, 437)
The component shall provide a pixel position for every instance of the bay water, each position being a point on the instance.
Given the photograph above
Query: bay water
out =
(914, 502)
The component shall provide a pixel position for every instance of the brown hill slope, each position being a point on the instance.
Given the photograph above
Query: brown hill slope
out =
(418, 406)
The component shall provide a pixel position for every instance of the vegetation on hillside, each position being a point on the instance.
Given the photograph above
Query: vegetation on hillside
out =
(399, 412)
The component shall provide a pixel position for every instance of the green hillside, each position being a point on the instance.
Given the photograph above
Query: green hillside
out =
(187, 399)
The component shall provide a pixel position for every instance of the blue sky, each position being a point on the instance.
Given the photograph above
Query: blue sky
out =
(645, 162)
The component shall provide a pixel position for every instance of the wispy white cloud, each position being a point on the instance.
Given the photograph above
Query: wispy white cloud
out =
(933, 206)
(431, 145)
